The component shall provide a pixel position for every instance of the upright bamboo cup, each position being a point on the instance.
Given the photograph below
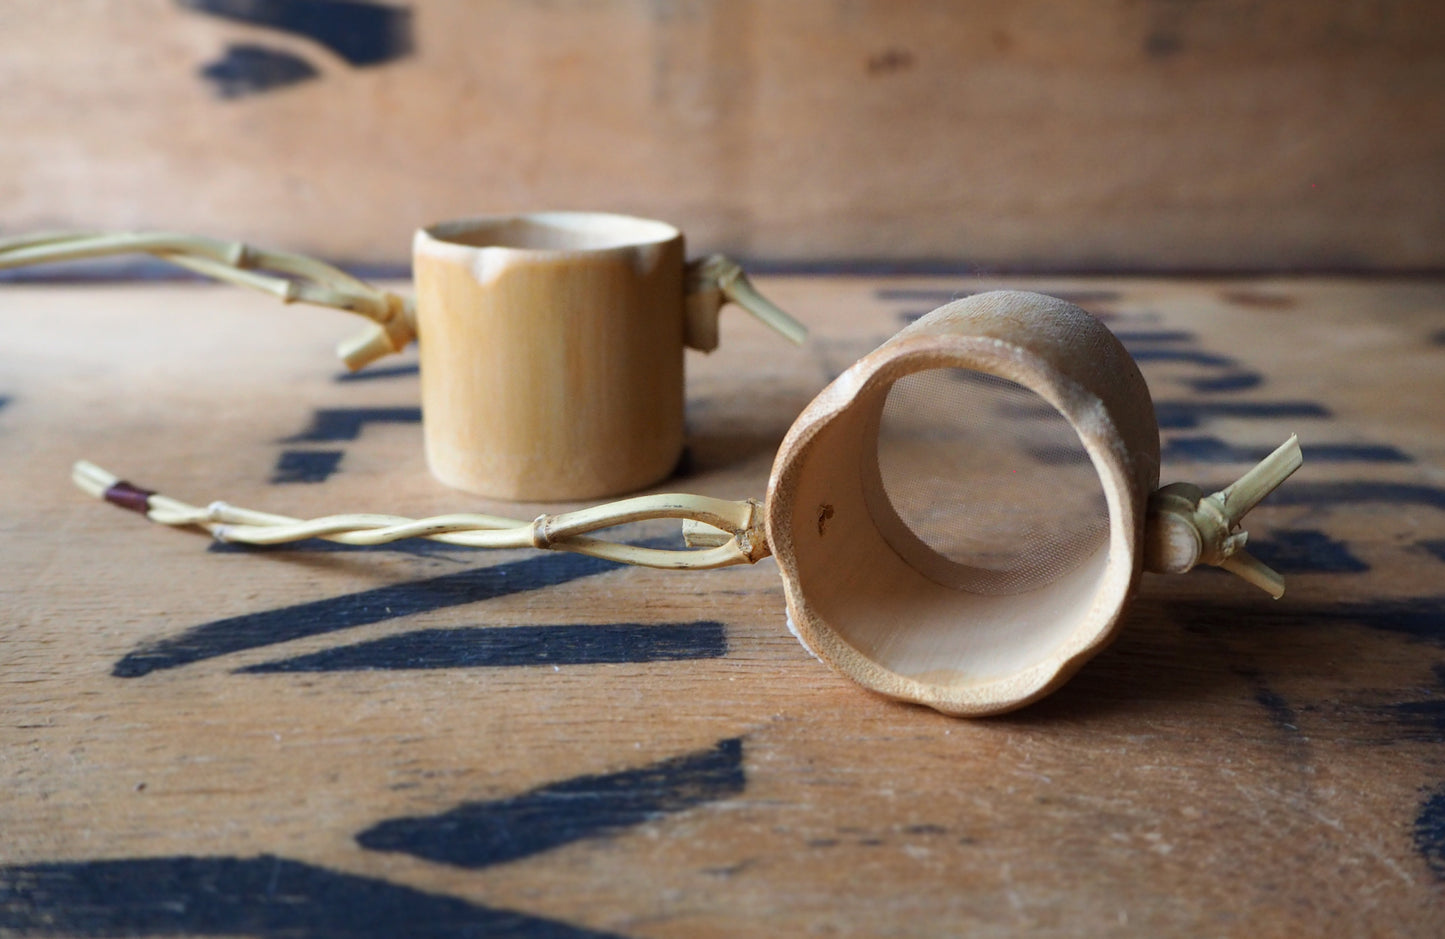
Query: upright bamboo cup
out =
(551, 353)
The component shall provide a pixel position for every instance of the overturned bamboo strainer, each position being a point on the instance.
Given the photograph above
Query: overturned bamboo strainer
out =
(959, 516)
(959, 519)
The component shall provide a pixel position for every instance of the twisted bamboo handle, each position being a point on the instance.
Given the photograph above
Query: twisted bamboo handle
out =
(743, 520)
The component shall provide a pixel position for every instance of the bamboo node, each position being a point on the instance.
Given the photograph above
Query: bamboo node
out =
(1185, 528)
(540, 537)
(717, 279)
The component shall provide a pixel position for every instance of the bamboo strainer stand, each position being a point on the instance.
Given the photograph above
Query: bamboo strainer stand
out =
(866, 591)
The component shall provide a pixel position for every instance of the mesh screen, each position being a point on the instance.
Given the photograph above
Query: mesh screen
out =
(991, 477)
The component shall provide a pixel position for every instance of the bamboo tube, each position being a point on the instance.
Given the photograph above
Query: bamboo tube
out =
(552, 351)
(552, 354)
(872, 599)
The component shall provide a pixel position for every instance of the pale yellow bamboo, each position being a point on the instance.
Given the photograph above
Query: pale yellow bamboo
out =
(308, 281)
(563, 532)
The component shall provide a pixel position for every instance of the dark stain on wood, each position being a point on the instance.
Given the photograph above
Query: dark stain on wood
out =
(306, 466)
(1306, 551)
(380, 373)
(270, 627)
(1418, 618)
(1215, 450)
(329, 425)
(481, 834)
(1358, 492)
(518, 646)
(263, 896)
(1260, 300)
(248, 69)
(941, 296)
(361, 33)
(1430, 833)
(1187, 415)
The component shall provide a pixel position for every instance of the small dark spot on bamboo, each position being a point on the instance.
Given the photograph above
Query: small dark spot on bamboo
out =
(889, 61)
(825, 512)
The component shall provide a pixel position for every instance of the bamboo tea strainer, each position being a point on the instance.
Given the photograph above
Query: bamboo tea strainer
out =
(959, 519)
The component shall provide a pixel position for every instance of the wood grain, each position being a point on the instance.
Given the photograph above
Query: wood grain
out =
(1105, 135)
(313, 742)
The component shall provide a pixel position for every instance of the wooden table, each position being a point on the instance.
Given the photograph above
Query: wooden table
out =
(424, 740)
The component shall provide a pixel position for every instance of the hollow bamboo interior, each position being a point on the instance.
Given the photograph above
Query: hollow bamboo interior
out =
(868, 597)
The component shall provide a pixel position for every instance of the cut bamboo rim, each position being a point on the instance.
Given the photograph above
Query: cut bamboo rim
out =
(886, 617)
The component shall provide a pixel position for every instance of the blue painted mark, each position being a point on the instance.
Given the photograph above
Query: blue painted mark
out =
(481, 834)
(1418, 618)
(333, 424)
(306, 466)
(1259, 299)
(920, 295)
(1139, 337)
(361, 33)
(1188, 415)
(380, 372)
(1430, 833)
(1306, 551)
(1435, 547)
(250, 69)
(927, 295)
(4, 400)
(1424, 719)
(1281, 714)
(1187, 356)
(263, 896)
(1358, 492)
(1232, 381)
(270, 627)
(1215, 450)
(518, 646)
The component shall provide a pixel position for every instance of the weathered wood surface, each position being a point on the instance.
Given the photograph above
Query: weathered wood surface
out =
(385, 742)
(1104, 135)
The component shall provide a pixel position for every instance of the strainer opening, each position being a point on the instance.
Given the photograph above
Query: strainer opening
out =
(983, 485)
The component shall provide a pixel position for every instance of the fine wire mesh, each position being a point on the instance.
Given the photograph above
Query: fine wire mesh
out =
(990, 476)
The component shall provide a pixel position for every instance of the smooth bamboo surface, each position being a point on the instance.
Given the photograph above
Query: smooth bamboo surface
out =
(552, 359)
(343, 740)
